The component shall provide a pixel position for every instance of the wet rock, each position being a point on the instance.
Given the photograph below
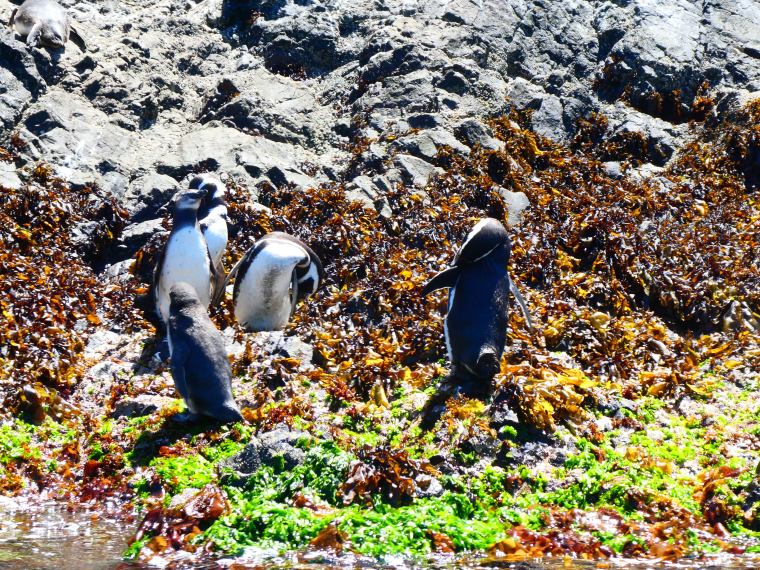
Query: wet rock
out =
(276, 448)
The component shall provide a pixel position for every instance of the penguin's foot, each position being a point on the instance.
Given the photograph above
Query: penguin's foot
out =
(185, 418)
(471, 385)
(162, 349)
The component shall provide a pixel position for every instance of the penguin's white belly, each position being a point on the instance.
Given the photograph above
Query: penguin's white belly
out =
(215, 233)
(185, 259)
(263, 300)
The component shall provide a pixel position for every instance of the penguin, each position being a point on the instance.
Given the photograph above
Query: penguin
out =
(199, 363)
(212, 217)
(274, 274)
(45, 23)
(475, 326)
(186, 256)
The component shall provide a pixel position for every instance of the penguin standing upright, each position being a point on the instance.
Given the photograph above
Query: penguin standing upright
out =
(476, 323)
(185, 256)
(212, 217)
(212, 214)
(275, 273)
(200, 367)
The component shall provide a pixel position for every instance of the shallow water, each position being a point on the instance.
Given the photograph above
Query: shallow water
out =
(50, 537)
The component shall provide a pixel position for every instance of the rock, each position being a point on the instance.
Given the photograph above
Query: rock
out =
(415, 171)
(147, 194)
(135, 236)
(363, 189)
(472, 132)
(140, 405)
(8, 177)
(244, 157)
(275, 343)
(426, 486)
(276, 448)
(613, 169)
(425, 145)
(517, 203)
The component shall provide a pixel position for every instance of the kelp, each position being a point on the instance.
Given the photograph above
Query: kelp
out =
(643, 290)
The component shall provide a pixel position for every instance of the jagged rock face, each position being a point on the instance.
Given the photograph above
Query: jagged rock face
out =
(282, 91)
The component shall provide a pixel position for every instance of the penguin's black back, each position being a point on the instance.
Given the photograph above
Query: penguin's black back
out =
(478, 310)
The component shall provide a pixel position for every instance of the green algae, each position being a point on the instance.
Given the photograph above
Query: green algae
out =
(179, 473)
(16, 442)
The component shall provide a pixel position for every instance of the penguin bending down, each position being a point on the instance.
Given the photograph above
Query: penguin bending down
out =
(199, 363)
(186, 256)
(45, 23)
(275, 273)
(476, 323)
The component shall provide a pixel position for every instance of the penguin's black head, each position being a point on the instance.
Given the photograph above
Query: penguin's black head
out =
(487, 237)
(182, 295)
(310, 275)
(188, 199)
(211, 183)
(50, 37)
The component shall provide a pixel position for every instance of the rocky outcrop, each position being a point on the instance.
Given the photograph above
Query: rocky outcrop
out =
(283, 91)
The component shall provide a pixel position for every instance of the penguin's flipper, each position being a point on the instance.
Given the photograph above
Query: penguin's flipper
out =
(178, 358)
(218, 282)
(521, 301)
(78, 40)
(33, 39)
(446, 278)
(12, 19)
(293, 292)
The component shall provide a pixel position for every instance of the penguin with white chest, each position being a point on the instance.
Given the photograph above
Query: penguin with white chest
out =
(186, 256)
(199, 363)
(212, 218)
(275, 273)
(476, 323)
(212, 214)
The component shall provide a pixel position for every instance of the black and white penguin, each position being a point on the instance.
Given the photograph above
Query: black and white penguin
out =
(475, 327)
(212, 214)
(212, 217)
(185, 256)
(199, 363)
(275, 273)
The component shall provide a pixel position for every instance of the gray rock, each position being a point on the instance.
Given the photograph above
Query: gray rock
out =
(275, 343)
(415, 171)
(517, 203)
(8, 177)
(426, 486)
(425, 145)
(140, 405)
(363, 189)
(147, 193)
(135, 236)
(473, 132)
(276, 448)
